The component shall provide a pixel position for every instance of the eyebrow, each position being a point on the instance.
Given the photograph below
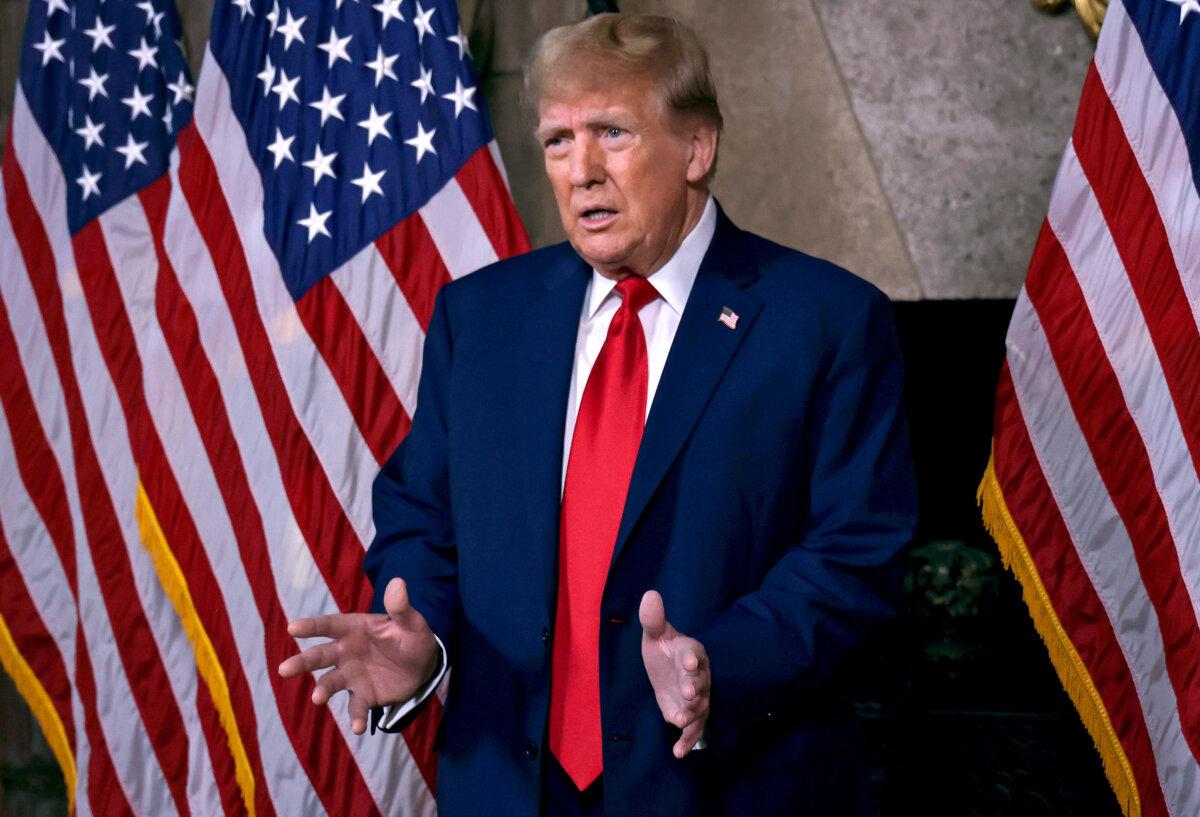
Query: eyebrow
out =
(604, 116)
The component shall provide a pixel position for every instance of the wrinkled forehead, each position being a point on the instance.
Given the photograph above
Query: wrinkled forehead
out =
(591, 96)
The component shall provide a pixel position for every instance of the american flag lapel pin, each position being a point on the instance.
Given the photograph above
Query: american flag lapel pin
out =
(728, 317)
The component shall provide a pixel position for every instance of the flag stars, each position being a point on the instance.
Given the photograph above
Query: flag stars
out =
(273, 16)
(286, 89)
(382, 65)
(281, 148)
(421, 22)
(376, 125)
(53, 6)
(369, 182)
(390, 10)
(244, 5)
(461, 97)
(51, 48)
(329, 105)
(460, 39)
(144, 54)
(315, 223)
(291, 30)
(423, 142)
(181, 88)
(89, 182)
(424, 83)
(321, 164)
(1186, 6)
(138, 103)
(134, 152)
(90, 132)
(148, 8)
(94, 83)
(100, 34)
(335, 47)
(267, 76)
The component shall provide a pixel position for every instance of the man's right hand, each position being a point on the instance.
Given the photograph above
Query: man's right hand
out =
(378, 659)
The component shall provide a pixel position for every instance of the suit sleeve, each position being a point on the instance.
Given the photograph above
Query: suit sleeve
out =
(414, 533)
(842, 575)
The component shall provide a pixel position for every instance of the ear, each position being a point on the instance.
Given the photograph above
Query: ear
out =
(703, 152)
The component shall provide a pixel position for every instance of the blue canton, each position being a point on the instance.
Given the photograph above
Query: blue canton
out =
(1170, 31)
(108, 84)
(356, 111)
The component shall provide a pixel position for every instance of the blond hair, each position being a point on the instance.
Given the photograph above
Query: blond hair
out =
(627, 45)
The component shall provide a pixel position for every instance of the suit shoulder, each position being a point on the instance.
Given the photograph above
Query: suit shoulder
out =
(508, 277)
(792, 274)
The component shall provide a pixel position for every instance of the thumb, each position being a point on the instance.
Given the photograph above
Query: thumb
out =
(653, 616)
(395, 600)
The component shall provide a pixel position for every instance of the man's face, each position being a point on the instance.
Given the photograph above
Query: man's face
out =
(627, 175)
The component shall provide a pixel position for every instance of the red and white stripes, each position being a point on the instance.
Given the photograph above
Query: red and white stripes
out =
(1097, 437)
(186, 456)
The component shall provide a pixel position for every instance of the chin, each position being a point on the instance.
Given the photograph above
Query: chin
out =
(600, 251)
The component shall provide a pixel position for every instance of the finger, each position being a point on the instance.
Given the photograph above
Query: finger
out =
(691, 735)
(359, 709)
(314, 658)
(653, 616)
(689, 660)
(688, 690)
(330, 626)
(329, 685)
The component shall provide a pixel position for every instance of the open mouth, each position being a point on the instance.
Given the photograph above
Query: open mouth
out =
(597, 217)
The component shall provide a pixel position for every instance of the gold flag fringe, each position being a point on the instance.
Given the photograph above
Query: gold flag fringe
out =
(38, 700)
(170, 576)
(1063, 655)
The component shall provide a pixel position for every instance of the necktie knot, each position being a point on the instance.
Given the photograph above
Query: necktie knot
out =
(636, 292)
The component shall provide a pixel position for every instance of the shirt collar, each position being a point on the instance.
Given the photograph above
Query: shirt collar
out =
(675, 278)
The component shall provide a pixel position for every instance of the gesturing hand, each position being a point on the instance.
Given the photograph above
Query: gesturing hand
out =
(678, 670)
(378, 659)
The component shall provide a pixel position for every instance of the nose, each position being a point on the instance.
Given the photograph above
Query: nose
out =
(587, 163)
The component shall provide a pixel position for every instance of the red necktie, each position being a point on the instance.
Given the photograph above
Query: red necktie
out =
(604, 446)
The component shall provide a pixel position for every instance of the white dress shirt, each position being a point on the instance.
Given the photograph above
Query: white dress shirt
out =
(659, 319)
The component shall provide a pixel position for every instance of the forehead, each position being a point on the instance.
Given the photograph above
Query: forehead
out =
(588, 100)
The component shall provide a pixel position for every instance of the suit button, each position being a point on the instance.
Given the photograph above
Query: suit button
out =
(545, 635)
(531, 750)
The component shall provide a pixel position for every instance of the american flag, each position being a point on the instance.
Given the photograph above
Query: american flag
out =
(211, 322)
(1093, 490)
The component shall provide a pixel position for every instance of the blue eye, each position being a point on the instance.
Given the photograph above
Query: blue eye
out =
(615, 132)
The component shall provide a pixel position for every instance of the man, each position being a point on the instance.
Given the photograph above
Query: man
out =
(666, 422)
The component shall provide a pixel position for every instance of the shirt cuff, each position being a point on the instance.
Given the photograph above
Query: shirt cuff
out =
(396, 711)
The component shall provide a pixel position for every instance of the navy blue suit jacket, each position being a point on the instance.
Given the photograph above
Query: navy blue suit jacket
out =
(770, 504)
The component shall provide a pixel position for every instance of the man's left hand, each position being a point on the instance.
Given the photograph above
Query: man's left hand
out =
(678, 670)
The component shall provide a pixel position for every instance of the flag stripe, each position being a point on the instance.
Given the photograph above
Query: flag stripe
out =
(216, 480)
(326, 527)
(130, 629)
(1153, 133)
(1123, 464)
(376, 408)
(1103, 545)
(307, 391)
(409, 252)
(462, 243)
(387, 320)
(1137, 230)
(93, 760)
(340, 792)
(480, 178)
(43, 681)
(134, 249)
(1079, 608)
(1080, 226)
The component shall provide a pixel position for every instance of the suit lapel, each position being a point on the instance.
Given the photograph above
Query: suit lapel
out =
(547, 353)
(700, 353)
